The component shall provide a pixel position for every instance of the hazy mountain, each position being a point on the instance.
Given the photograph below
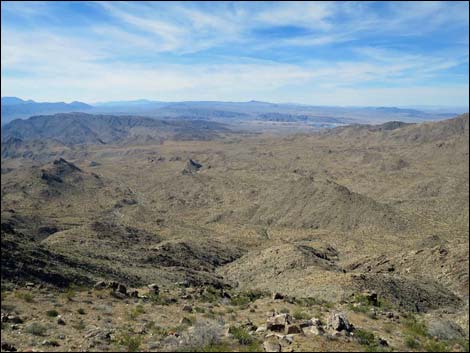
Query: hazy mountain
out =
(82, 128)
(228, 112)
(17, 108)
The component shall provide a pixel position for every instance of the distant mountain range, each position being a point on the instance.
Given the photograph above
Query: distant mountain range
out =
(16, 108)
(227, 112)
(82, 128)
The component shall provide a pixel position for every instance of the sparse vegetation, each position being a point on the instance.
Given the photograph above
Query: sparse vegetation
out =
(130, 342)
(26, 296)
(313, 218)
(300, 315)
(241, 335)
(36, 329)
(52, 313)
(136, 312)
(415, 327)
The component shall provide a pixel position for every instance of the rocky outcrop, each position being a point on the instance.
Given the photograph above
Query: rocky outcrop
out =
(191, 167)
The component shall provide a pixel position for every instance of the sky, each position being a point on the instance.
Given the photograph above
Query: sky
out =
(318, 53)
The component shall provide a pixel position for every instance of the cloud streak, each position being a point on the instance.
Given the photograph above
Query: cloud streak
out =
(313, 53)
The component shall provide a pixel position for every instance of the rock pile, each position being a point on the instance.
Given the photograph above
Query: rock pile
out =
(281, 329)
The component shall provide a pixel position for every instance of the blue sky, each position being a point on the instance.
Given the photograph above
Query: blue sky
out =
(345, 53)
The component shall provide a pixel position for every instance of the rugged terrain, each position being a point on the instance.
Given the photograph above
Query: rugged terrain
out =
(366, 224)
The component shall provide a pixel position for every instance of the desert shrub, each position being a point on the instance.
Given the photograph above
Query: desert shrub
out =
(134, 313)
(300, 315)
(80, 326)
(210, 295)
(255, 346)
(81, 311)
(415, 327)
(307, 302)
(70, 293)
(159, 299)
(241, 335)
(26, 296)
(365, 338)
(52, 313)
(412, 342)
(158, 330)
(36, 329)
(220, 347)
(284, 311)
(188, 320)
(204, 335)
(359, 308)
(244, 298)
(130, 342)
(210, 314)
(435, 346)
(199, 309)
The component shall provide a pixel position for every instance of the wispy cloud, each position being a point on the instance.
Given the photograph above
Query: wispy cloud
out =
(277, 51)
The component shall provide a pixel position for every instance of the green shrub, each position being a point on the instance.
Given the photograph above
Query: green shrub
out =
(159, 299)
(241, 335)
(130, 342)
(52, 313)
(415, 327)
(159, 331)
(247, 297)
(300, 315)
(284, 311)
(365, 338)
(220, 347)
(36, 329)
(435, 346)
(359, 308)
(80, 326)
(307, 302)
(26, 296)
(134, 313)
(70, 293)
(412, 342)
(81, 311)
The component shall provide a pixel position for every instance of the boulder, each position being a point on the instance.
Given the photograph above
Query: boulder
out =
(101, 285)
(191, 167)
(7, 347)
(314, 329)
(188, 308)
(154, 289)
(261, 329)
(371, 297)
(339, 322)
(278, 322)
(121, 289)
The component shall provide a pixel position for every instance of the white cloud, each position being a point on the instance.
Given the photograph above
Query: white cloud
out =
(97, 63)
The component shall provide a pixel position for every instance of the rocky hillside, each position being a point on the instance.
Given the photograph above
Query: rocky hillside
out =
(81, 128)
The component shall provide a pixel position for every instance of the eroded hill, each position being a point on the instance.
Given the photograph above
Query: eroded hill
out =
(320, 218)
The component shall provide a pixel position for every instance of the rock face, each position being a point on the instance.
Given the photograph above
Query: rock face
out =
(278, 322)
(154, 289)
(192, 167)
(445, 330)
(339, 322)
